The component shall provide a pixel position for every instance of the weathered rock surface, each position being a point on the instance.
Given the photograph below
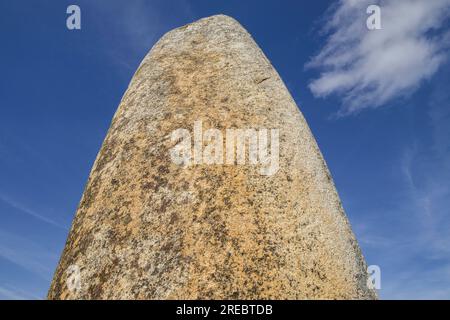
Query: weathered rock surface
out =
(147, 228)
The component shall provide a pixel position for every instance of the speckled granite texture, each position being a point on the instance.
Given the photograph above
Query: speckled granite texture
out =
(147, 228)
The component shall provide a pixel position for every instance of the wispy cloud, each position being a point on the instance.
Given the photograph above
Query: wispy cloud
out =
(22, 208)
(26, 254)
(428, 173)
(429, 199)
(368, 68)
(132, 27)
(9, 293)
(410, 238)
(419, 283)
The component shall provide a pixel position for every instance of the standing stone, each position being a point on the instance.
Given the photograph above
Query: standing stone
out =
(149, 228)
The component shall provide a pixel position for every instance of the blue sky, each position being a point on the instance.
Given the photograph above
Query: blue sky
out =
(377, 101)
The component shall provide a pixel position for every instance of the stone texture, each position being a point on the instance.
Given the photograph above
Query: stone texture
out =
(147, 228)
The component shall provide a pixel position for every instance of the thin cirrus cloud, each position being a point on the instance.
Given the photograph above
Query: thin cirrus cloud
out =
(18, 206)
(10, 293)
(410, 238)
(27, 254)
(137, 24)
(368, 68)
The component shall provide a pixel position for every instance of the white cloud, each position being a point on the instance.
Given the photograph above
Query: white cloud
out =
(365, 68)
(410, 239)
(10, 293)
(18, 206)
(27, 254)
(131, 28)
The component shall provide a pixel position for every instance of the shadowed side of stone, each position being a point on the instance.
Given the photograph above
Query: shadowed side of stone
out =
(148, 228)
